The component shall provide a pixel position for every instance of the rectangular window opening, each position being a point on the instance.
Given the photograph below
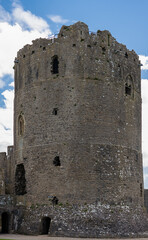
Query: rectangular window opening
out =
(128, 89)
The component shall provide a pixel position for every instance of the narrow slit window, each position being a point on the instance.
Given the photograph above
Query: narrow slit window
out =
(55, 65)
(129, 86)
(108, 40)
(20, 125)
(141, 190)
(55, 111)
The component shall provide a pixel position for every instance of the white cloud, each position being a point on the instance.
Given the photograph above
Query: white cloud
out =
(16, 30)
(6, 123)
(11, 84)
(28, 20)
(144, 61)
(145, 121)
(12, 38)
(57, 19)
(2, 83)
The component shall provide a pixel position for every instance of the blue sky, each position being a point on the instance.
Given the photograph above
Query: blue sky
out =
(22, 21)
(125, 19)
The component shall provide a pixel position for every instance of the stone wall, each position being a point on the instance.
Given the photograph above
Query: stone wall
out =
(6, 187)
(146, 199)
(77, 132)
(89, 220)
(2, 172)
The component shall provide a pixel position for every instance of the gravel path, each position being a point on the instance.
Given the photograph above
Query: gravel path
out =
(45, 237)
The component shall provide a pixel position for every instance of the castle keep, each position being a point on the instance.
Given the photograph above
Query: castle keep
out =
(76, 165)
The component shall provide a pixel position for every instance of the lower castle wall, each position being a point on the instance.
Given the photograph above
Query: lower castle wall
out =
(74, 220)
(92, 220)
(6, 213)
(109, 216)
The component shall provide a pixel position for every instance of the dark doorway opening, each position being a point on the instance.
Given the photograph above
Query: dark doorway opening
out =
(20, 180)
(5, 222)
(45, 225)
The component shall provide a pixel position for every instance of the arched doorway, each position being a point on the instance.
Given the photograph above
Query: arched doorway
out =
(45, 225)
(5, 222)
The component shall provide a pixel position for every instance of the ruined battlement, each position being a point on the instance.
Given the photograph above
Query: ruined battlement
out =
(79, 54)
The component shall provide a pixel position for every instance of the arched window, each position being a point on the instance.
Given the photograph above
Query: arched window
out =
(129, 86)
(20, 125)
(128, 89)
(55, 65)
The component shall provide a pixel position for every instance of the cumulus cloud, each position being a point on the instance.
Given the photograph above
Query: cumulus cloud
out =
(28, 20)
(6, 123)
(14, 36)
(145, 121)
(16, 30)
(144, 61)
(57, 19)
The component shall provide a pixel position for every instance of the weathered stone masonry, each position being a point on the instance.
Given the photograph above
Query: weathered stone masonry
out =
(77, 137)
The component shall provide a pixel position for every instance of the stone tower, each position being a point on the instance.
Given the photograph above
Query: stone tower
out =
(77, 135)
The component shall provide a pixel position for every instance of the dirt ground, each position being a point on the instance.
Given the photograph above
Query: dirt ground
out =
(45, 237)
